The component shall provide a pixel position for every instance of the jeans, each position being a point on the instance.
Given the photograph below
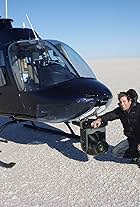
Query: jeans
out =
(120, 149)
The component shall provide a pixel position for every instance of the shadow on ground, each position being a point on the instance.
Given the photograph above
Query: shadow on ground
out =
(109, 158)
(20, 134)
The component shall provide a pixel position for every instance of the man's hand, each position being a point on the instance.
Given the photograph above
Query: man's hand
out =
(138, 147)
(96, 123)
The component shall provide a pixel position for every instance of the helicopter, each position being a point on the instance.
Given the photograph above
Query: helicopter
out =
(45, 80)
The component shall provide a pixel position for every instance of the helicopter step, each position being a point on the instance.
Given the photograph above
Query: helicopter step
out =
(72, 135)
(35, 127)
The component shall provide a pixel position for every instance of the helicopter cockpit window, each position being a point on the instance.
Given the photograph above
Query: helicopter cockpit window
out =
(2, 62)
(75, 59)
(2, 69)
(2, 78)
(37, 65)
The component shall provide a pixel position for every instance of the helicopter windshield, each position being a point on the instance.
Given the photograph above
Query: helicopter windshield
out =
(37, 64)
(75, 59)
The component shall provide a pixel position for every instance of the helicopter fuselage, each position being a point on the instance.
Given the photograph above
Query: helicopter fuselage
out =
(45, 79)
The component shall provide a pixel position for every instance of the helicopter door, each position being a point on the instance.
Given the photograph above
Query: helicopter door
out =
(9, 98)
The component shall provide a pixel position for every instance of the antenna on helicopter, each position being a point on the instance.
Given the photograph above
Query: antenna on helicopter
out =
(6, 9)
(32, 27)
(23, 25)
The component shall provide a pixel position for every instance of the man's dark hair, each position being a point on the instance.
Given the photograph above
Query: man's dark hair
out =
(132, 94)
(122, 94)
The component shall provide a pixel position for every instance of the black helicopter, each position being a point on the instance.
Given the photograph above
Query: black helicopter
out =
(45, 80)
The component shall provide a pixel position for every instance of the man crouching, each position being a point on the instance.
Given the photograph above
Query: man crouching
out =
(129, 114)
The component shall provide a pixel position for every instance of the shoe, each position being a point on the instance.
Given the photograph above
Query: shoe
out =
(135, 160)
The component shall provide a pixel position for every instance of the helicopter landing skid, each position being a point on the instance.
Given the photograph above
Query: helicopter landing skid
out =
(72, 135)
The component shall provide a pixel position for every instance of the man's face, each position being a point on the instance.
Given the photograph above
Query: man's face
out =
(125, 103)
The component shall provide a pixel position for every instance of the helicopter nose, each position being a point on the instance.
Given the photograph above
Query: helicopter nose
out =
(89, 94)
(100, 97)
(72, 100)
(97, 97)
(104, 98)
(94, 91)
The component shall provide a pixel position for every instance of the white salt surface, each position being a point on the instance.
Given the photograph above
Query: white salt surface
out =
(53, 171)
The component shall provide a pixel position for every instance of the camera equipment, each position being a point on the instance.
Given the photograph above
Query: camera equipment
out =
(92, 140)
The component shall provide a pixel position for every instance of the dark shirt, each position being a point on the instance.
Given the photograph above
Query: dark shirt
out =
(130, 121)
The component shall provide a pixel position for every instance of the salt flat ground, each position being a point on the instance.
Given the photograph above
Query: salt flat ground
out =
(53, 171)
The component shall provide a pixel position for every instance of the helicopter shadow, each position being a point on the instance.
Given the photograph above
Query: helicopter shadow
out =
(19, 134)
(108, 157)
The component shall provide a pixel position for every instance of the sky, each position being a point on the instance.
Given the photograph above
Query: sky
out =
(94, 28)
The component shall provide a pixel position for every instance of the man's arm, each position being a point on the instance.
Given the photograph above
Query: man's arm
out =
(138, 134)
(109, 116)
